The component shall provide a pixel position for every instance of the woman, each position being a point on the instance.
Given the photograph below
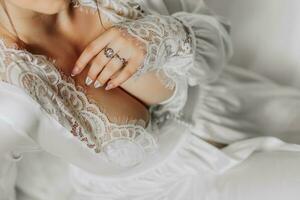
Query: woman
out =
(187, 55)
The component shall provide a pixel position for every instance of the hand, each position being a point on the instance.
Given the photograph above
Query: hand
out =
(163, 37)
(114, 57)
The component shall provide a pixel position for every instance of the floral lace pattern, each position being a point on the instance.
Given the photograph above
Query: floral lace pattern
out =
(114, 10)
(164, 37)
(68, 104)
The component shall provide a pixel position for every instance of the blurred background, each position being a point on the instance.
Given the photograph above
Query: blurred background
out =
(266, 36)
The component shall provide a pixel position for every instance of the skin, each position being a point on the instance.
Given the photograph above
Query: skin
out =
(127, 47)
(63, 33)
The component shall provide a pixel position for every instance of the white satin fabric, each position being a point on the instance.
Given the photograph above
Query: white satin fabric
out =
(245, 110)
(186, 165)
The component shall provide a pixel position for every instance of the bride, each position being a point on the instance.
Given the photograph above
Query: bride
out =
(130, 97)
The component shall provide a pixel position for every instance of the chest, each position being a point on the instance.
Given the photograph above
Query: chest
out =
(66, 48)
(67, 43)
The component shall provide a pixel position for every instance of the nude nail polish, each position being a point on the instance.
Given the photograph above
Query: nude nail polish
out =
(109, 86)
(88, 81)
(97, 84)
(75, 71)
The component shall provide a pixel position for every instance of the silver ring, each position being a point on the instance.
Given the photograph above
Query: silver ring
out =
(109, 52)
(123, 60)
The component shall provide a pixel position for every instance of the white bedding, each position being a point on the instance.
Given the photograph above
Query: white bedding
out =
(265, 175)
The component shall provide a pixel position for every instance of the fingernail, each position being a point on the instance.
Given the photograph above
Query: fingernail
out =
(97, 84)
(109, 86)
(75, 71)
(88, 81)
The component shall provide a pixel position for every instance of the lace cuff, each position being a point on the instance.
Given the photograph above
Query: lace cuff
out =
(161, 37)
(189, 45)
(211, 49)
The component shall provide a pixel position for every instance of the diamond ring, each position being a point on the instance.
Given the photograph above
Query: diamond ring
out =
(109, 52)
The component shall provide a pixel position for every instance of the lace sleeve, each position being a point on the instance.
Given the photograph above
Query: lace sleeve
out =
(211, 46)
(198, 43)
(195, 39)
(207, 35)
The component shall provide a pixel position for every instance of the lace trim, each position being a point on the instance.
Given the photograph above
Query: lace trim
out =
(114, 10)
(66, 102)
(164, 37)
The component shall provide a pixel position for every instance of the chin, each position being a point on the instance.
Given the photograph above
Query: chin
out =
(42, 6)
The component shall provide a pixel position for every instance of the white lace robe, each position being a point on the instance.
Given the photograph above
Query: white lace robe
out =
(227, 107)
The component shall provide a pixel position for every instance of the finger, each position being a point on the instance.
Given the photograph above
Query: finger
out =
(94, 70)
(132, 67)
(111, 68)
(124, 75)
(93, 49)
(98, 64)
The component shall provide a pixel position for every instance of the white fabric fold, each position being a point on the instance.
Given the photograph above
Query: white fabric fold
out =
(243, 105)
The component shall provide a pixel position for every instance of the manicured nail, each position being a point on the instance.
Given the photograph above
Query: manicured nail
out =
(75, 71)
(109, 86)
(97, 84)
(88, 81)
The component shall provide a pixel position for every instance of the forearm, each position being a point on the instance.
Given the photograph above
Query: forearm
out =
(148, 88)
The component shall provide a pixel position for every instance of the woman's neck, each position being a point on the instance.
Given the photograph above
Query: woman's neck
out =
(29, 24)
